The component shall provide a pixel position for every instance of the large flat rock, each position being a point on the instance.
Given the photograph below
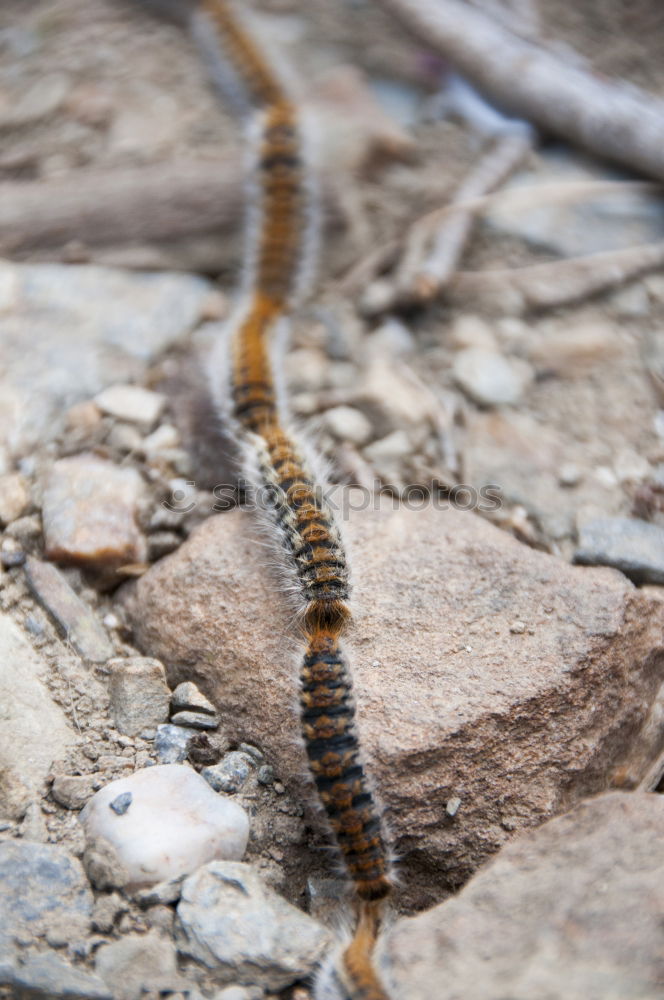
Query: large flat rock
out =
(572, 911)
(485, 671)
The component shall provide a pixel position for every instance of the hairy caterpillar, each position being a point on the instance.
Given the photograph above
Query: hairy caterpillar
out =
(280, 251)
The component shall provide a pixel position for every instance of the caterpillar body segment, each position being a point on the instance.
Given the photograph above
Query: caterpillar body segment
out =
(350, 973)
(280, 251)
(252, 69)
(283, 203)
(328, 727)
(281, 168)
(254, 401)
(357, 965)
(306, 532)
(281, 241)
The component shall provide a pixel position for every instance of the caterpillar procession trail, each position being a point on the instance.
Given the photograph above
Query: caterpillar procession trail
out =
(280, 259)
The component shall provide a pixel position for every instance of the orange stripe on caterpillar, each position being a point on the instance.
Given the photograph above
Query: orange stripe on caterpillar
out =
(280, 168)
(253, 392)
(277, 265)
(357, 964)
(328, 727)
(248, 61)
(299, 511)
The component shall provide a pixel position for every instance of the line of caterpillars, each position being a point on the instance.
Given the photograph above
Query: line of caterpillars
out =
(279, 243)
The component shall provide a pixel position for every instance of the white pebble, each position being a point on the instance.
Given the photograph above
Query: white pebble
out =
(348, 424)
(569, 474)
(131, 403)
(377, 297)
(124, 437)
(489, 378)
(392, 339)
(162, 439)
(606, 476)
(306, 368)
(395, 445)
(174, 823)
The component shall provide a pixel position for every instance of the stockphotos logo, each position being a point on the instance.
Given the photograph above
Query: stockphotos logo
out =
(341, 499)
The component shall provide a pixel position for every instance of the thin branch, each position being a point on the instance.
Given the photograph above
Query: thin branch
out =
(543, 286)
(426, 279)
(611, 119)
(555, 192)
(363, 272)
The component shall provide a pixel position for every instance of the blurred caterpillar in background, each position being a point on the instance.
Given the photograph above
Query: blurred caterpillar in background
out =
(280, 253)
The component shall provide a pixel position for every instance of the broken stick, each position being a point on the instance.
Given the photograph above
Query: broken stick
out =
(118, 207)
(556, 283)
(611, 119)
(424, 279)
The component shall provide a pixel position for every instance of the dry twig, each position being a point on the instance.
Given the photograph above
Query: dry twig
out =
(543, 286)
(610, 118)
(365, 271)
(423, 280)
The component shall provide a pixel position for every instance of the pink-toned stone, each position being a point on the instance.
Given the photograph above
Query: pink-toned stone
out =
(572, 911)
(453, 703)
(90, 508)
(14, 497)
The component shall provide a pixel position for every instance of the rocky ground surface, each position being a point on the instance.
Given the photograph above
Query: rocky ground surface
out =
(554, 907)
(158, 836)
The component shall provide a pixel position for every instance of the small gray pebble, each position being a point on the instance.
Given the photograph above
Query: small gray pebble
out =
(633, 546)
(160, 894)
(172, 743)
(33, 626)
(230, 774)
(265, 774)
(252, 751)
(43, 888)
(187, 698)
(11, 559)
(120, 804)
(195, 720)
